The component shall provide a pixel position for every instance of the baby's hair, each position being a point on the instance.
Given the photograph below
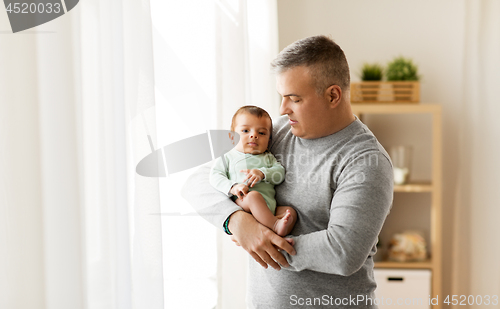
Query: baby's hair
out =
(252, 110)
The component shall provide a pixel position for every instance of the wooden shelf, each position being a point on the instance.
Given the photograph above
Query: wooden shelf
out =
(394, 108)
(434, 186)
(404, 265)
(414, 187)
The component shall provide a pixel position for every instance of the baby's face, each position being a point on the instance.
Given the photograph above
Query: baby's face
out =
(254, 133)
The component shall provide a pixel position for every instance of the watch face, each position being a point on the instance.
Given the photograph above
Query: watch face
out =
(26, 14)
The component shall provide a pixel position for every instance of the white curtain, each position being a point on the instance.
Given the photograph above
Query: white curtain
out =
(247, 41)
(21, 212)
(211, 57)
(184, 65)
(79, 228)
(123, 247)
(476, 270)
(247, 33)
(78, 104)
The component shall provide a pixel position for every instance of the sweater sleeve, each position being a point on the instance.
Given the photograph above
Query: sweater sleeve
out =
(275, 172)
(218, 177)
(211, 204)
(360, 204)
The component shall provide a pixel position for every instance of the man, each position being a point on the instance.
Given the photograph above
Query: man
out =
(338, 179)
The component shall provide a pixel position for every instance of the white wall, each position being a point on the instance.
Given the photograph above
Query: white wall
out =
(430, 32)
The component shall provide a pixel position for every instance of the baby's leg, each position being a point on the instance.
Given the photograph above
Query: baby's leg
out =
(254, 203)
(288, 213)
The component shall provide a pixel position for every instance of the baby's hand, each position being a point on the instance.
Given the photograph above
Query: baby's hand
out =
(240, 190)
(253, 176)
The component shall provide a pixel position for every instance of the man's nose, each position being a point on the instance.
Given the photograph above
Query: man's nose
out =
(284, 106)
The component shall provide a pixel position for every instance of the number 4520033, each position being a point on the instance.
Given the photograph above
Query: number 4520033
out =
(463, 300)
(33, 8)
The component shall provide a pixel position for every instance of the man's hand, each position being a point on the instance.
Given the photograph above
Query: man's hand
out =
(240, 190)
(259, 241)
(253, 176)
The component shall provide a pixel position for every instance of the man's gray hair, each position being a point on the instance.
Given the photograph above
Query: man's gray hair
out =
(322, 56)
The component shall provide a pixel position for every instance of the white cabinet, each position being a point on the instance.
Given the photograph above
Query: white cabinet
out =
(403, 288)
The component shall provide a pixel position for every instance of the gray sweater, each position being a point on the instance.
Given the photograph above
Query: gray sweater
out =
(341, 186)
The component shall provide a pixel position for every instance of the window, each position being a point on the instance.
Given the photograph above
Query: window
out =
(185, 91)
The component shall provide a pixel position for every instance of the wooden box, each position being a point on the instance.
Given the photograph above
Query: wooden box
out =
(385, 92)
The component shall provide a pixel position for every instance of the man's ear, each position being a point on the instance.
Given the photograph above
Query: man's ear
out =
(334, 95)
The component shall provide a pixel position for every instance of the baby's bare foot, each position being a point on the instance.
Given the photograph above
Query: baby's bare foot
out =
(281, 225)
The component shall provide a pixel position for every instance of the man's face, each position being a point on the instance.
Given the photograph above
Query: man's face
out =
(254, 133)
(309, 114)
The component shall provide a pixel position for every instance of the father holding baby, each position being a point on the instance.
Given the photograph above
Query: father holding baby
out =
(338, 179)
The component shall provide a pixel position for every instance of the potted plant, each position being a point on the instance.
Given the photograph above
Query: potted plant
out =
(402, 69)
(371, 72)
(402, 85)
(371, 75)
(403, 76)
(368, 89)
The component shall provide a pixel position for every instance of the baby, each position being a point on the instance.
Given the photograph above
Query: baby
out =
(249, 172)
